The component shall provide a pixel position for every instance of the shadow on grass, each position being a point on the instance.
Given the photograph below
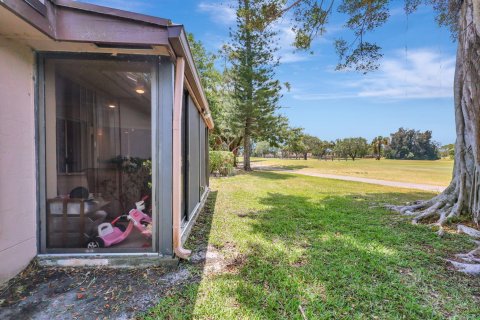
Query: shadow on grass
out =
(331, 256)
(339, 256)
(271, 175)
(280, 167)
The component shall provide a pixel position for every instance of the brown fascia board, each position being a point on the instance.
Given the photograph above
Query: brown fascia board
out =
(85, 26)
(67, 20)
(179, 43)
(77, 21)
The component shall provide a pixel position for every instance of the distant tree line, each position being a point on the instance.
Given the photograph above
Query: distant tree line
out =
(403, 144)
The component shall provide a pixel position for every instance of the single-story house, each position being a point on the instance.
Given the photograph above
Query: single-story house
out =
(99, 109)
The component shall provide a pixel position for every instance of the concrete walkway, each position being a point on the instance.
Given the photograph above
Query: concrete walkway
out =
(424, 187)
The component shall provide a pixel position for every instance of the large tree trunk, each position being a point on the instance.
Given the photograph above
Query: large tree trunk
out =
(247, 146)
(378, 152)
(235, 153)
(462, 195)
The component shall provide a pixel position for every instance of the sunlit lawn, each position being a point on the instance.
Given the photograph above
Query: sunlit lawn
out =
(322, 246)
(437, 172)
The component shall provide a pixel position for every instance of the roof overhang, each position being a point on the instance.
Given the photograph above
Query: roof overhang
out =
(179, 43)
(71, 26)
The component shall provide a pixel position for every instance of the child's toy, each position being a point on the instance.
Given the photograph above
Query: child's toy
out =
(110, 233)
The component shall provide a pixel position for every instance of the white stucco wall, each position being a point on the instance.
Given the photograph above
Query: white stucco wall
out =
(18, 244)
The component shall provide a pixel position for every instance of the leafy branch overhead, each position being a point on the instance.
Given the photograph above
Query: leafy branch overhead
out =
(309, 20)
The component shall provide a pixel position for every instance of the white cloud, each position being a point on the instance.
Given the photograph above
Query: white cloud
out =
(322, 96)
(287, 56)
(220, 13)
(286, 37)
(417, 74)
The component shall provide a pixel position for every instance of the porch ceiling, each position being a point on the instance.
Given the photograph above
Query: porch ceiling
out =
(106, 77)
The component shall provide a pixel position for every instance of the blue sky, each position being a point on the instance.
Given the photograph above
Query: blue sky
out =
(412, 89)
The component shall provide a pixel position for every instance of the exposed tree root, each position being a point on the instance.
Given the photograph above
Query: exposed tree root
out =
(474, 233)
(469, 257)
(445, 209)
(446, 205)
(468, 268)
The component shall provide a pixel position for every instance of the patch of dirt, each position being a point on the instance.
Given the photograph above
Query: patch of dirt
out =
(235, 264)
(300, 262)
(214, 262)
(249, 214)
(86, 293)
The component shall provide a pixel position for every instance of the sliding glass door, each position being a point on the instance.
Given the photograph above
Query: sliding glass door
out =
(98, 154)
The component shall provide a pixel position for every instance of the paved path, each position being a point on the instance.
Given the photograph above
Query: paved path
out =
(424, 187)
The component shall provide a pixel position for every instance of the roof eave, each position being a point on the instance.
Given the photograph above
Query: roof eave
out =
(178, 41)
(71, 21)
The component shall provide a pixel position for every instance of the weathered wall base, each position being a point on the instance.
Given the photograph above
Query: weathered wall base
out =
(120, 261)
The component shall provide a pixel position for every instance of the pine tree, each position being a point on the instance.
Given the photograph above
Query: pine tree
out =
(256, 91)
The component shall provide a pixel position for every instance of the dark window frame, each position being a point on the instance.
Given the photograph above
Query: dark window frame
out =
(41, 58)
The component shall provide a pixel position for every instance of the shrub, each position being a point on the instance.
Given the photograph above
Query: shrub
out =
(221, 162)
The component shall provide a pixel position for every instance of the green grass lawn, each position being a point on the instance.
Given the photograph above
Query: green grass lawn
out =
(437, 172)
(325, 245)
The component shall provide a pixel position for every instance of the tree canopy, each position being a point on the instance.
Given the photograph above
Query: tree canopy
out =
(412, 145)
(294, 141)
(309, 18)
(351, 147)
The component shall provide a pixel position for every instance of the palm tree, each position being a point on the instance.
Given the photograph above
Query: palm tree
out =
(377, 144)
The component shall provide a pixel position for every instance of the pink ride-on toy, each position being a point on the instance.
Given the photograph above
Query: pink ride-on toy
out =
(110, 234)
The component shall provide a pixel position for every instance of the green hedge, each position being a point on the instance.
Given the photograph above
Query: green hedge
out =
(221, 163)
